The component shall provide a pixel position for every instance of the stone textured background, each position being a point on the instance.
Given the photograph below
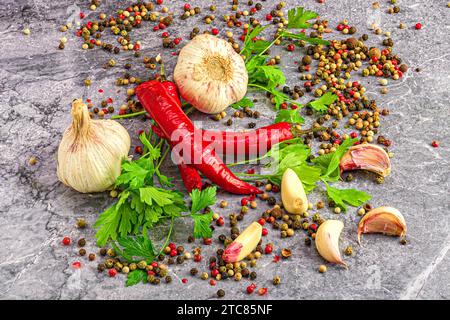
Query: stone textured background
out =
(38, 83)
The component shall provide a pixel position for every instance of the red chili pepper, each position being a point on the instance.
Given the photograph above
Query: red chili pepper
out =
(166, 111)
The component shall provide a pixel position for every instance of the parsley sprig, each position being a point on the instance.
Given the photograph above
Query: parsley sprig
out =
(295, 155)
(141, 204)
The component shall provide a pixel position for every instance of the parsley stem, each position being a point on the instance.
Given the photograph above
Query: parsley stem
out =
(168, 236)
(268, 47)
(129, 115)
(163, 157)
(271, 91)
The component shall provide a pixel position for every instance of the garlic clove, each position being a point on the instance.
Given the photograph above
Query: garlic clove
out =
(210, 75)
(244, 244)
(386, 220)
(327, 241)
(368, 157)
(293, 194)
(90, 153)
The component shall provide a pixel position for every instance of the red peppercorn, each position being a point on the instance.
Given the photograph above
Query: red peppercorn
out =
(434, 144)
(337, 141)
(150, 273)
(269, 17)
(276, 258)
(184, 280)
(66, 241)
(253, 10)
(162, 26)
(212, 282)
(138, 149)
(220, 222)
(340, 27)
(264, 232)
(173, 252)
(353, 135)
(165, 34)
(418, 26)
(159, 1)
(177, 41)
(187, 6)
(290, 47)
(262, 291)
(214, 272)
(275, 188)
(207, 241)
(268, 249)
(374, 59)
(307, 84)
(244, 201)
(262, 221)
(313, 227)
(76, 264)
(172, 246)
(82, 15)
(197, 258)
(215, 31)
(251, 289)
(155, 28)
(112, 272)
(284, 105)
(100, 90)
(271, 220)
(154, 264)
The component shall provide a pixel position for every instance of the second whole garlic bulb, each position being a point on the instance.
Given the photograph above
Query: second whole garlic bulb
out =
(90, 153)
(210, 75)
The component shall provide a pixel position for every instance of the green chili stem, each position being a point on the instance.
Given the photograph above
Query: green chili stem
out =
(129, 115)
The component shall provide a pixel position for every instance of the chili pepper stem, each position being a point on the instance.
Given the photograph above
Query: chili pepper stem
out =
(129, 115)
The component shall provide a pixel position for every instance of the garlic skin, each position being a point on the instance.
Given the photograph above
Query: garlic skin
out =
(210, 75)
(327, 241)
(293, 194)
(244, 244)
(368, 157)
(385, 220)
(91, 151)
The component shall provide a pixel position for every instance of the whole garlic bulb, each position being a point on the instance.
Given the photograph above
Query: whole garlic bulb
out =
(91, 151)
(210, 74)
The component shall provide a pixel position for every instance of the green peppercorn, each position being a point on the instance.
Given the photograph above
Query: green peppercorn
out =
(109, 263)
(132, 266)
(81, 223)
(276, 280)
(142, 265)
(111, 253)
(348, 251)
(168, 279)
(204, 276)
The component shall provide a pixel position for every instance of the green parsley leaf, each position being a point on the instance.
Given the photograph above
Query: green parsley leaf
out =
(135, 277)
(269, 76)
(323, 102)
(151, 195)
(298, 18)
(244, 102)
(137, 248)
(154, 152)
(136, 173)
(202, 199)
(288, 115)
(329, 163)
(304, 37)
(201, 224)
(252, 46)
(107, 224)
(352, 197)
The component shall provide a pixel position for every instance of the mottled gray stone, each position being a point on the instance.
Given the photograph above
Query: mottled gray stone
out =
(38, 82)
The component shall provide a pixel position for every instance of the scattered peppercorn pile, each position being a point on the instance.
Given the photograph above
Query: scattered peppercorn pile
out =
(322, 69)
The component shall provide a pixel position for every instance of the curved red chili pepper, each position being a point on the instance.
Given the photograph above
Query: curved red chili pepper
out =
(189, 175)
(254, 142)
(165, 109)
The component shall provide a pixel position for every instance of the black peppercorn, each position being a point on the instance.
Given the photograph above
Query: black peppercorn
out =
(220, 293)
(103, 252)
(194, 271)
(253, 275)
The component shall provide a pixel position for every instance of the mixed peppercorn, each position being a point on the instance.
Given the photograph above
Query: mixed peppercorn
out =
(333, 69)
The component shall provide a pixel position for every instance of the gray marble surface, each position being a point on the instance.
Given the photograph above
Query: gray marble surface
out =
(38, 83)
